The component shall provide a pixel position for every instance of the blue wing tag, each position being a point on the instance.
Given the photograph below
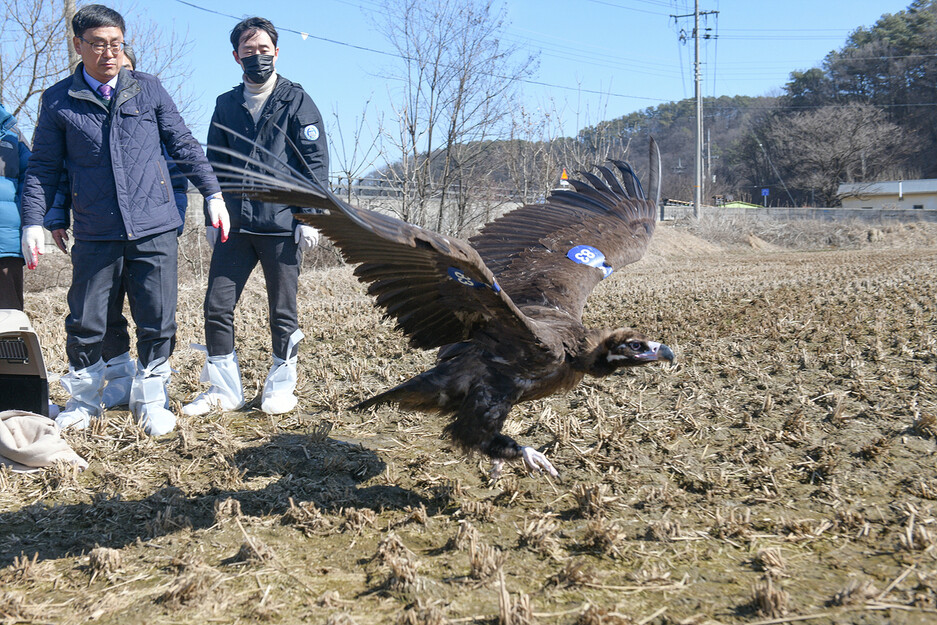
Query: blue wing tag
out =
(459, 276)
(588, 255)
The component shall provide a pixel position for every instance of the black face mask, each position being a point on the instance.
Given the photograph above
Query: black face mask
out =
(258, 68)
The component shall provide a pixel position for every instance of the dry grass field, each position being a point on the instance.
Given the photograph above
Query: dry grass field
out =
(783, 470)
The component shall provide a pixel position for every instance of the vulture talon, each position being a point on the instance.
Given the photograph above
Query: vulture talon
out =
(537, 462)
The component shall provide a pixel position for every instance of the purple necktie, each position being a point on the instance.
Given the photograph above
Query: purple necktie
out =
(105, 91)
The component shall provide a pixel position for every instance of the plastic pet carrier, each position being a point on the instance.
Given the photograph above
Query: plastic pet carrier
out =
(24, 384)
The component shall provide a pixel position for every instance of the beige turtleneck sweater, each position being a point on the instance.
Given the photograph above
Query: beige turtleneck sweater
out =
(255, 96)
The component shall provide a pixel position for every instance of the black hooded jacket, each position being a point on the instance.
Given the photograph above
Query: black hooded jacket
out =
(289, 113)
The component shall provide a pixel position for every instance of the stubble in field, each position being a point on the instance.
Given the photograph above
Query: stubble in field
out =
(783, 468)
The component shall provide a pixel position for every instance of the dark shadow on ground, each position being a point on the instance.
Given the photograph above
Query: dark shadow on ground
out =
(325, 471)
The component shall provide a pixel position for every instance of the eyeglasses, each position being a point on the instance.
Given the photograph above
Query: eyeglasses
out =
(98, 47)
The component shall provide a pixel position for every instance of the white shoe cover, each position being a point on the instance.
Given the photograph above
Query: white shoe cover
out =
(225, 392)
(148, 400)
(278, 397)
(119, 376)
(85, 387)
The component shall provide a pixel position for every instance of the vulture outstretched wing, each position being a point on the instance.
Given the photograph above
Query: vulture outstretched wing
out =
(554, 254)
(439, 288)
(436, 287)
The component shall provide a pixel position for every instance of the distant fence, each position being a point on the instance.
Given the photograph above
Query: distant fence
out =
(871, 215)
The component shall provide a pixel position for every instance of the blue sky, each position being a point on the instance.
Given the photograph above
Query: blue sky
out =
(628, 50)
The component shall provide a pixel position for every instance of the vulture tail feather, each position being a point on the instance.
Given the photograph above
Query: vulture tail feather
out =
(417, 393)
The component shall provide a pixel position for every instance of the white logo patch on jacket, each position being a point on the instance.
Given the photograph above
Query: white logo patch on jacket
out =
(311, 132)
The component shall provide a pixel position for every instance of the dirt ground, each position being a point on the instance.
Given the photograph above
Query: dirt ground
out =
(783, 470)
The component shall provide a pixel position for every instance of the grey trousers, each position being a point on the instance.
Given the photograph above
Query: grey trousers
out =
(148, 267)
(231, 265)
(117, 336)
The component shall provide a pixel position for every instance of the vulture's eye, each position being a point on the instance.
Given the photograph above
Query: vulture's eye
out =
(636, 346)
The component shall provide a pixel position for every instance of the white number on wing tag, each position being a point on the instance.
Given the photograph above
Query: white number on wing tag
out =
(588, 255)
(460, 276)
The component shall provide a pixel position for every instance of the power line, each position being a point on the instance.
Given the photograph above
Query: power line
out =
(618, 6)
(737, 74)
(776, 172)
(528, 81)
(807, 107)
(589, 53)
(610, 60)
(787, 30)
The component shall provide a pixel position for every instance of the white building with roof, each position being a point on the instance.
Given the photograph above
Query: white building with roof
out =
(890, 194)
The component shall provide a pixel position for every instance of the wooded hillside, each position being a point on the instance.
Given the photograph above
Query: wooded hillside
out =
(866, 113)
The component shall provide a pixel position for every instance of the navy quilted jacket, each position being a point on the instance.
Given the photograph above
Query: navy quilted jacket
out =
(59, 214)
(118, 181)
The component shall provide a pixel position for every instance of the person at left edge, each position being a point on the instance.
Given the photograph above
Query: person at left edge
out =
(13, 155)
(103, 126)
(119, 367)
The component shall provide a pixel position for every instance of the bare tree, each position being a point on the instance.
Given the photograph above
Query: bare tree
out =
(161, 53)
(36, 52)
(73, 58)
(820, 149)
(530, 156)
(458, 78)
(352, 161)
(597, 141)
(33, 54)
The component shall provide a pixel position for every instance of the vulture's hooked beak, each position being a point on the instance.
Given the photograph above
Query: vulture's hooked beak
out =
(657, 351)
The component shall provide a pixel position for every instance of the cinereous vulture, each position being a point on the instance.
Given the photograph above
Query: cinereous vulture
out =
(504, 308)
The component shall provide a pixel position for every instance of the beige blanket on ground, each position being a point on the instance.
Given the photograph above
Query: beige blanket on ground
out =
(29, 441)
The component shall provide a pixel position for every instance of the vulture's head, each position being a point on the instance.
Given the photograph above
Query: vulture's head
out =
(626, 347)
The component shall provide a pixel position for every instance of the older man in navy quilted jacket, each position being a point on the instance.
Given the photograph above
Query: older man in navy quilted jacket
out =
(104, 125)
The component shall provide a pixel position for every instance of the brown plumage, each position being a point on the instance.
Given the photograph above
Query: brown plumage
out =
(505, 307)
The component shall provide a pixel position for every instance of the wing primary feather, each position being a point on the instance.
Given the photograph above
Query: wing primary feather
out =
(598, 183)
(613, 182)
(589, 191)
(247, 159)
(631, 179)
(312, 184)
(654, 176)
(578, 200)
(297, 152)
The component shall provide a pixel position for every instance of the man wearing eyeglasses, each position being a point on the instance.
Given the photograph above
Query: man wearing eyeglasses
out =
(104, 126)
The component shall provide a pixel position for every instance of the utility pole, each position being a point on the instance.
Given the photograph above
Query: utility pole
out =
(709, 156)
(697, 74)
(698, 187)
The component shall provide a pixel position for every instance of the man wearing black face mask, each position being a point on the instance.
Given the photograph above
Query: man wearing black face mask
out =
(276, 114)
